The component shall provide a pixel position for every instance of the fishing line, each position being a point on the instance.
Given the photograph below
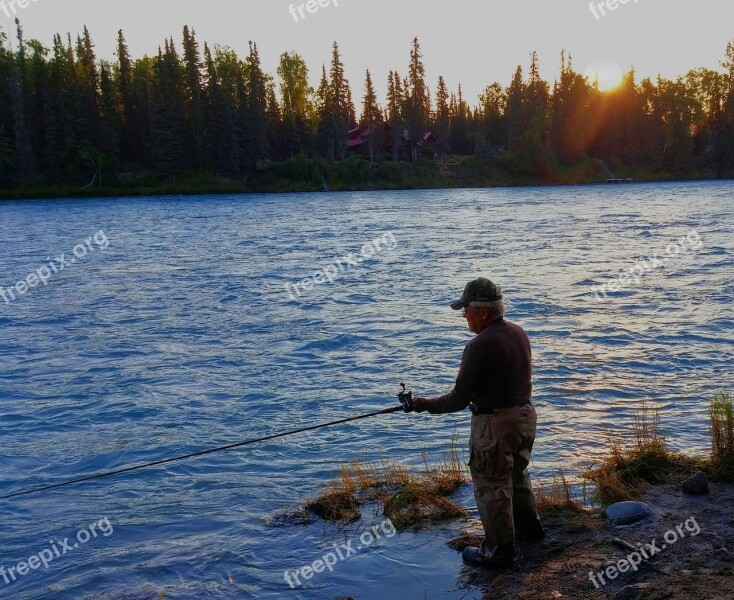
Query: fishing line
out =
(405, 399)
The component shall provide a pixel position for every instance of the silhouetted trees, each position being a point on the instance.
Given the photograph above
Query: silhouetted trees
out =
(67, 116)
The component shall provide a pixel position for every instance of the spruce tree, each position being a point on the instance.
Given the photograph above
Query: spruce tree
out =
(196, 133)
(418, 106)
(124, 82)
(256, 146)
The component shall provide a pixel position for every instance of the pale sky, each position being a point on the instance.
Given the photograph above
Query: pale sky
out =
(472, 42)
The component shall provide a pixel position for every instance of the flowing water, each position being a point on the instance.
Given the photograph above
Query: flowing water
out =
(175, 326)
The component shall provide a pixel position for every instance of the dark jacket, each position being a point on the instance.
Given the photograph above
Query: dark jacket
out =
(495, 371)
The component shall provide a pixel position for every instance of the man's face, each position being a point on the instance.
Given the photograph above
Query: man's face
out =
(474, 318)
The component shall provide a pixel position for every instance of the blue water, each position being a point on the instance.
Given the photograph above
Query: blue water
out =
(180, 335)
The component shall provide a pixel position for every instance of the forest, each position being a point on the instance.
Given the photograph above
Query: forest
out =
(202, 113)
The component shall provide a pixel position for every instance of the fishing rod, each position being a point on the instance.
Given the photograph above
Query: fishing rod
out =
(407, 405)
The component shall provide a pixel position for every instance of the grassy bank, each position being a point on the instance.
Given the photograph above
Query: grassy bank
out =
(415, 499)
(581, 545)
(313, 175)
(629, 472)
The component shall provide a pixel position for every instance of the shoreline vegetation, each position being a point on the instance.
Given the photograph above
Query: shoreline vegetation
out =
(626, 474)
(350, 175)
(204, 120)
(579, 537)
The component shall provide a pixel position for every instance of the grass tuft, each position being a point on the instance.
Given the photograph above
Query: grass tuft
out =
(556, 496)
(409, 499)
(628, 473)
(415, 505)
(721, 413)
(335, 505)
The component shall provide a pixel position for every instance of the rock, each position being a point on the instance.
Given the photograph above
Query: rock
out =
(627, 513)
(698, 484)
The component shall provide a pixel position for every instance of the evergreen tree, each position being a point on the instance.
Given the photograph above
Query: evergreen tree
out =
(274, 122)
(515, 112)
(167, 113)
(340, 105)
(570, 110)
(459, 126)
(142, 88)
(441, 117)
(37, 98)
(395, 113)
(124, 83)
(295, 95)
(372, 116)
(257, 148)
(537, 124)
(651, 133)
(23, 145)
(371, 112)
(418, 107)
(225, 80)
(86, 93)
(324, 142)
(195, 135)
(110, 122)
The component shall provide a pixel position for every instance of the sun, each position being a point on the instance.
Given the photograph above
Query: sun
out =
(608, 72)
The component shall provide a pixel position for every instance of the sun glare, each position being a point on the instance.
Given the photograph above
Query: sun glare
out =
(608, 72)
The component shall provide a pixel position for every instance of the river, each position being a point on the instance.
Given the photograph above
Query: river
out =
(144, 328)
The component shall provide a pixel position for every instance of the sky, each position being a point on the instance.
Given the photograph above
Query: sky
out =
(470, 42)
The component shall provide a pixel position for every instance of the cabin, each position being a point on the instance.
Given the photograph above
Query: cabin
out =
(378, 140)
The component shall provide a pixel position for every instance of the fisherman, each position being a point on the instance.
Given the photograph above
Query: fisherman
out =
(494, 382)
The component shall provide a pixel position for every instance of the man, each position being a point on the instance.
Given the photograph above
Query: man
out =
(494, 381)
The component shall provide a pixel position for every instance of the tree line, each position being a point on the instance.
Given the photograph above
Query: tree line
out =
(66, 116)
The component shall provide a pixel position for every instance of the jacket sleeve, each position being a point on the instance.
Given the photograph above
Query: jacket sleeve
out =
(466, 386)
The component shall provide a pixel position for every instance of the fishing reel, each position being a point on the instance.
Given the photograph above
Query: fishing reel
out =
(406, 399)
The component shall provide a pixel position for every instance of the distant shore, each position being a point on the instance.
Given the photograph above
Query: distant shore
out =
(312, 175)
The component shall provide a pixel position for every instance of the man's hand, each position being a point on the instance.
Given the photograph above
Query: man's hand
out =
(421, 404)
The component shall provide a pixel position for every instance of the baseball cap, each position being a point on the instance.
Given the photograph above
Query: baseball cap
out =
(479, 290)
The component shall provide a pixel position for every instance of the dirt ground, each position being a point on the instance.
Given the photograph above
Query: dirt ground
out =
(693, 566)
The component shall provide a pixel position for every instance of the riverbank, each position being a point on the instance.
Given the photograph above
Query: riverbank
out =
(688, 538)
(312, 175)
(578, 546)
